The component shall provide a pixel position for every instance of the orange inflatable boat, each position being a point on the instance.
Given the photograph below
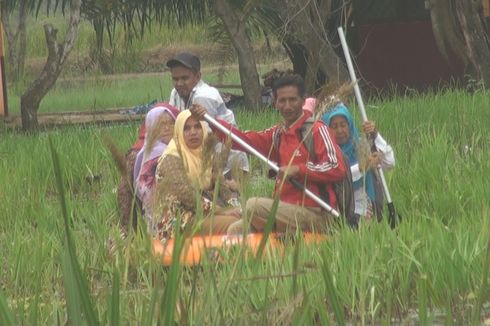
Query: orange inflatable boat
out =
(197, 247)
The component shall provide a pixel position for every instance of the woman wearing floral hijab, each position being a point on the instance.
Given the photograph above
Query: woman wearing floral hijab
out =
(159, 124)
(182, 175)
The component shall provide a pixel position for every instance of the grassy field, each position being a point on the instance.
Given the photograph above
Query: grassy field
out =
(432, 269)
(83, 86)
(124, 91)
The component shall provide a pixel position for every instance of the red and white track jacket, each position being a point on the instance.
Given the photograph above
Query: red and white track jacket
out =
(327, 168)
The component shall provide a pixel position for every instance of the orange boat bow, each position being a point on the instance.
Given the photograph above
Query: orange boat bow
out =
(199, 246)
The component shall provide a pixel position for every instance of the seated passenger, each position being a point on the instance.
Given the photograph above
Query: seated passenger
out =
(367, 195)
(283, 145)
(190, 89)
(159, 126)
(181, 174)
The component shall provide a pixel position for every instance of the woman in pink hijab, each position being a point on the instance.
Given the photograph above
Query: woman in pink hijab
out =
(159, 124)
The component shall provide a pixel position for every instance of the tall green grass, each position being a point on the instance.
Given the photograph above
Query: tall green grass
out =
(432, 269)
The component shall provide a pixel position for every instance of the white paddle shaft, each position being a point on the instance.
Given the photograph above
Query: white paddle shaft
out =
(271, 164)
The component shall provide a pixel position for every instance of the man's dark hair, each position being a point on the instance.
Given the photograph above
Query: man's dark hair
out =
(289, 80)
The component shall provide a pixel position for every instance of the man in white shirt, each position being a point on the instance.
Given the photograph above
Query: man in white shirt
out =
(190, 89)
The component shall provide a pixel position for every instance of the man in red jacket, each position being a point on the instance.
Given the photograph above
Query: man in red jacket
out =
(295, 210)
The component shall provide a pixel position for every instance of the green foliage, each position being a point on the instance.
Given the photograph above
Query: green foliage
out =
(432, 269)
(170, 293)
(6, 314)
(76, 291)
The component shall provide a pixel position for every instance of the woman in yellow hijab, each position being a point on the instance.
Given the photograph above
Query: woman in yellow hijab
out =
(182, 177)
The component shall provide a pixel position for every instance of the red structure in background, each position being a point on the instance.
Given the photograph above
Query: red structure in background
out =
(403, 54)
(395, 46)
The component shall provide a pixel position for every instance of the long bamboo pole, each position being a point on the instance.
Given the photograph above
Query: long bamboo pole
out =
(360, 104)
(271, 164)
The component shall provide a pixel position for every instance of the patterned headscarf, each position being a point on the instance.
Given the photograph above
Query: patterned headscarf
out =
(192, 158)
(145, 154)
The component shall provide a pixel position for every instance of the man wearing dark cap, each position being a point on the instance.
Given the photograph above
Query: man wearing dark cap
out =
(189, 89)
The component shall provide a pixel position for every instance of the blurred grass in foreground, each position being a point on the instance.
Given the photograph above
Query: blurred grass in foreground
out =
(433, 268)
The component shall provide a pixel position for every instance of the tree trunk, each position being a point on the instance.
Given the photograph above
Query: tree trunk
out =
(97, 53)
(297, 54)
(460, 32)
(16, 40)
(476, 38)
(236, 29)
(447, 32)
(305, 34)
(57, 55)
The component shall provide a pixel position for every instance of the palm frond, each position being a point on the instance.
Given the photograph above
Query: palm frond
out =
(363, 151)
(208, 152)
(329, 96)
(117, 155)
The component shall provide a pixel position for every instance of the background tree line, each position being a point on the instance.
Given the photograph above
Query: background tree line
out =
(305, 28)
